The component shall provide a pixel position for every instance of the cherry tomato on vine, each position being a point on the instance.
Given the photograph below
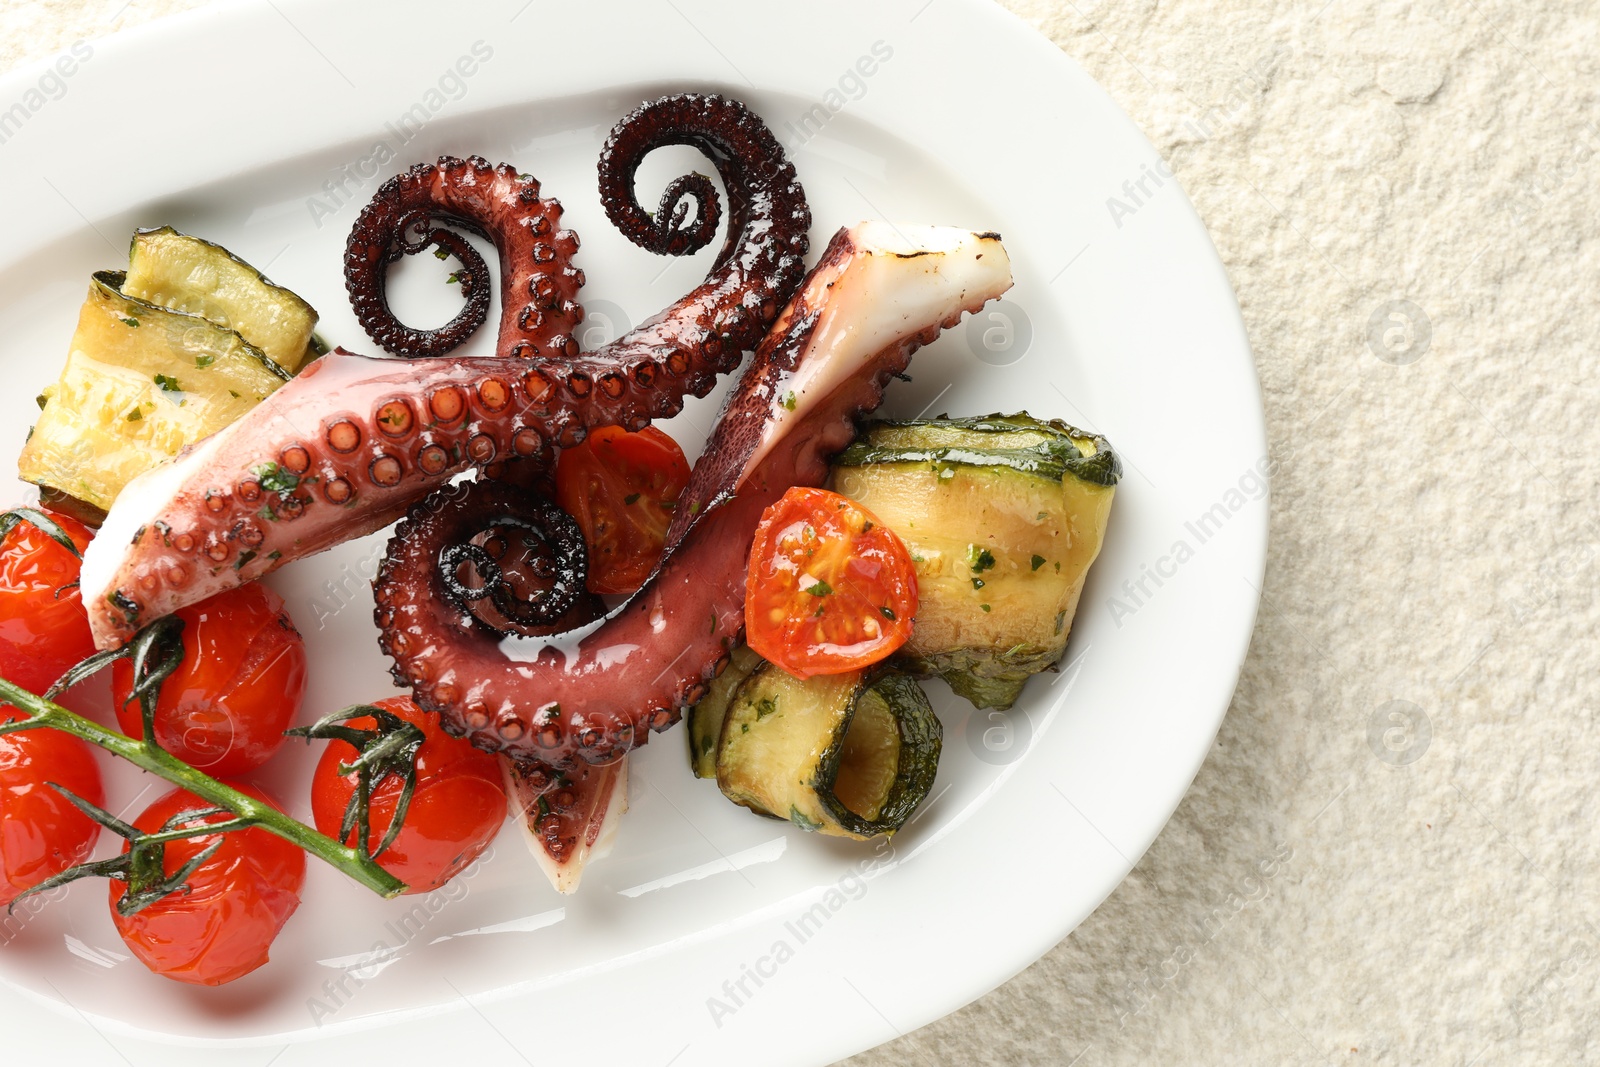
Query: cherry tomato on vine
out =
(237, 900)
(41, 833)
(829, 589)
(239, 687)
(620, 487)
(458, 806)
(43, 627)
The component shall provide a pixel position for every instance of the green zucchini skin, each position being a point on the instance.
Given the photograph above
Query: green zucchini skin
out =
(1003, 515)
(1049, 449)
(789, 748)
(921, 741)
(703, 722)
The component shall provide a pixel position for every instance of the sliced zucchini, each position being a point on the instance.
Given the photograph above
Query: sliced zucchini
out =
(183, 273)
(850, 755)
(704, 720)
(1003, 516)
(141, 382)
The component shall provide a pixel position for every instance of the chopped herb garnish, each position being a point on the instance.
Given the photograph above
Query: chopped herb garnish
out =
(985, 607)
(819, 589)
(454, 278)
(977, 583)
(274, 479)
(136, 415)
(439, 253)
(202, 362)
(168, 384)
(233, 394)
(244, 557)
(1038, 561)
(788, 400)
(130, 322)
(765, 706)
(631, 499)
(979, 559)
(694, 507)
(887, 613)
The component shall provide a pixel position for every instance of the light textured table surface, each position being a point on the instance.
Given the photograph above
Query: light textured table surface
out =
(1391, 856)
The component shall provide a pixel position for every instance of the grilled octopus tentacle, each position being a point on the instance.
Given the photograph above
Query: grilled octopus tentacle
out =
(347, 446)
(595, 694)
(538, 284)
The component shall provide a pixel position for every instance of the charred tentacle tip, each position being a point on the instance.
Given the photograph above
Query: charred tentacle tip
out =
(677, 233)
(551, 537)
(407, 215)
(746, 155)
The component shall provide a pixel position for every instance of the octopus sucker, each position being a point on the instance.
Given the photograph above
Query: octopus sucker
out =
(876, 295)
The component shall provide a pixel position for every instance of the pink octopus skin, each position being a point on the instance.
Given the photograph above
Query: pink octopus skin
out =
(860, 314)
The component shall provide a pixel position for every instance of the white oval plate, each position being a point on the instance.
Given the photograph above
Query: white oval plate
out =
(708, 936)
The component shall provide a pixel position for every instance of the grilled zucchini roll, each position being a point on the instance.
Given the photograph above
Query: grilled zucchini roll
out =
(184, 273)
(850, 755)
(1003, 515)
(703, 722)
(184, 342)
(141, 382)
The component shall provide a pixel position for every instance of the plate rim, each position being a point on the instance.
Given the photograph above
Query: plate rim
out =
(125, 46)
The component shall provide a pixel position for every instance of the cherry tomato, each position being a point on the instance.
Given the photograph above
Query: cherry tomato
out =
(620, 487)
(457, 808)
(237, 900)
(239, 687)
(830, 589)
(43, 627)
(41, 833)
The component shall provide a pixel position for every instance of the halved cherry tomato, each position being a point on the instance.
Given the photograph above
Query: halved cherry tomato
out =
(41, 833)
(830, 588)
(620, 487)
(43, 627)
(239, 687)
(236, 903)
(457, 808)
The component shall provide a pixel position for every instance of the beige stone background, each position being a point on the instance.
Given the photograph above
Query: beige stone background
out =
(1391, 856)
